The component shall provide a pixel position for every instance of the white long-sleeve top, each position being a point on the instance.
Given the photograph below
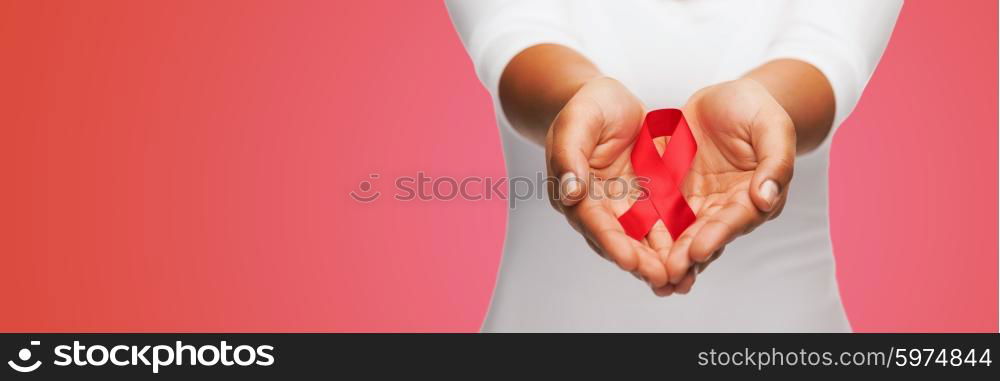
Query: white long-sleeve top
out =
(781, 277)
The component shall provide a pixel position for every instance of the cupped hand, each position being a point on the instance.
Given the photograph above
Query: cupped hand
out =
(587, 148)
(740, 176)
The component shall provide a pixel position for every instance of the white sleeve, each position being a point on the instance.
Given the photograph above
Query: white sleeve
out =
(844, 39)
(494, 31)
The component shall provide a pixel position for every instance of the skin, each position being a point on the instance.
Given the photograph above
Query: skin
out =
(748, 132)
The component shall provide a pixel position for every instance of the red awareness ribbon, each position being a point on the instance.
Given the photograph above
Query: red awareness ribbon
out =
(663, 199)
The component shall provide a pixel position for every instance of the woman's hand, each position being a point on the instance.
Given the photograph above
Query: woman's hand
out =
(588, 149)
(740, 175)
(587, 123)
(748, 132)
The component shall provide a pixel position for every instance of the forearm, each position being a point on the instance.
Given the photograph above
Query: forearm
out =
(538, 82)
(805, 94)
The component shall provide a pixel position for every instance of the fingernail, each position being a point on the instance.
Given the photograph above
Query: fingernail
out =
(769, 191)
(570, 185)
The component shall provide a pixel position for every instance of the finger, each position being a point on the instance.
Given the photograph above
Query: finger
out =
(552, 189)
(660, 242)
(685, 284)
(573, 137)
(733, 220)
(600, 225)
(563, 192)
(703, 266)
(650, 267)
(659, 239)
(572, 189)
(678, 261)
(776, 211)
(774, 145)
(596, 249)
(664, 291)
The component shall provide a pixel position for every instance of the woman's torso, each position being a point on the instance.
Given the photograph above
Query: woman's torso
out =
(779, 278)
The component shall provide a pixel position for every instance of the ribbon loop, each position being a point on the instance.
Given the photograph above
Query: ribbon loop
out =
(662, 199)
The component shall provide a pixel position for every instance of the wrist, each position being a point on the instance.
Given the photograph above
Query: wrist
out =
(804, 93)
(764, 89)
(538, 83)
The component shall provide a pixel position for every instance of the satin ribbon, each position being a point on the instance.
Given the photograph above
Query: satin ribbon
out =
(662, 194)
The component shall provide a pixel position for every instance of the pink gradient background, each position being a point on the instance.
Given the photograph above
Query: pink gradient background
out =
(914, 177)
(185, 166)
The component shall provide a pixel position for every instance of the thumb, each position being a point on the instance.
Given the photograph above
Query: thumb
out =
(572, 141)
(774, 146)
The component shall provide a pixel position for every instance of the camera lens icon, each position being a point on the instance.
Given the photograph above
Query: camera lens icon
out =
(25, 355)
